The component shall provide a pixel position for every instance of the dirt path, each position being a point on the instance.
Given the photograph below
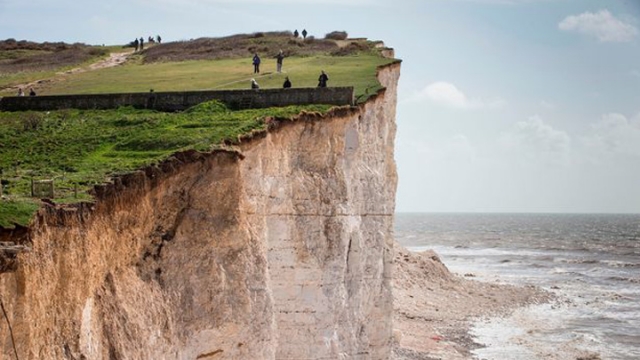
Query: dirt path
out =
(114, 59)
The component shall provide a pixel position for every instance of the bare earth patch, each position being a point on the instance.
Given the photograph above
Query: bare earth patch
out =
(114, 59)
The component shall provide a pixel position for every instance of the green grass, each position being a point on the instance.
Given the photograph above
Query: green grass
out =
(79, 149)
(44, 65)
(16, 212)
(358, 71)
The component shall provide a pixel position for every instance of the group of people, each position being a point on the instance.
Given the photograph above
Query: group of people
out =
(138, 44)
(256, 62)
(322, 79)
(304, 33)
(285, 85)
(31, 92)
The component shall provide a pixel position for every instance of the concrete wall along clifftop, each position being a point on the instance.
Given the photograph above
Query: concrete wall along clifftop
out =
(178, 101)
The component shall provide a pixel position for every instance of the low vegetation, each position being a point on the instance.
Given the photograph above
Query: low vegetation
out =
(23, 61)
(336, 35)
(78, 149)
(267, 45)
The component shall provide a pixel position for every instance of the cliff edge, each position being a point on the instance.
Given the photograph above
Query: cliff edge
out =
(280, 250)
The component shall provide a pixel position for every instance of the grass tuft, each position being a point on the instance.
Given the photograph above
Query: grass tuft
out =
(16, 212)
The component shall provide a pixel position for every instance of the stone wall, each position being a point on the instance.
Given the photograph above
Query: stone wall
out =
(177, 101)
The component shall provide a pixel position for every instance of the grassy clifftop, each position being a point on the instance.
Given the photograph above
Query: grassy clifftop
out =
(78, 149)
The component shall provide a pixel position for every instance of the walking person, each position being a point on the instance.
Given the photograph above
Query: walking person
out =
(304, 33)
(322, 80)
(279, 59)
(136, 43)
(256, 64)
(141, 43)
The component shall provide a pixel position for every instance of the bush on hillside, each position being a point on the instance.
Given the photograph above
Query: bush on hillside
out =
(28, 56)
(336, 35)
(210, 107)
(13, 44)
(238, 46)
(351, 49)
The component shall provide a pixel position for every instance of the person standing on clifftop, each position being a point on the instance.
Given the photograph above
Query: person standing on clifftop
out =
(256, 64)
(304, 33)
(322, 80)
(279, 58)
(141, 43)
(295, 34)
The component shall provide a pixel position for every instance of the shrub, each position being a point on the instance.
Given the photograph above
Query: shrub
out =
(46, 56)
(32, 121)
(295, 42)
(351, 49)
(212, 107)
(237, 46)
(336, 35)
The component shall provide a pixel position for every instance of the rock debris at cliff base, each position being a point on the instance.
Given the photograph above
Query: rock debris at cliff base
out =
(433, 308)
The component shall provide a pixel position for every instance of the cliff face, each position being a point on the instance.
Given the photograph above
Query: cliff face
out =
(282, 250)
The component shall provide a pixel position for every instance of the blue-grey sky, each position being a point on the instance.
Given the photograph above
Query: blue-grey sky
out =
(504, 105)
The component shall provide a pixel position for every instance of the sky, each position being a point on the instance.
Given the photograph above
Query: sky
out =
(503, 105)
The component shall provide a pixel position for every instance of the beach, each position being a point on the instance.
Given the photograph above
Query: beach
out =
(517, 287)
(434, 309)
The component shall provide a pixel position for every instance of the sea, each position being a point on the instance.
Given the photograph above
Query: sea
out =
(590, 262)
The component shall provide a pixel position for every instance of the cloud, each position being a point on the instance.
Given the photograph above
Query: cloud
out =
(449, 95)
(615, 134)
(535, 140)
(603, 25)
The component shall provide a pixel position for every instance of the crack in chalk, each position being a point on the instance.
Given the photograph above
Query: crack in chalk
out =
(202, 356)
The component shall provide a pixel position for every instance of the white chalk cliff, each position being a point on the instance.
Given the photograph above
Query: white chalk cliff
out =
(281, 250)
